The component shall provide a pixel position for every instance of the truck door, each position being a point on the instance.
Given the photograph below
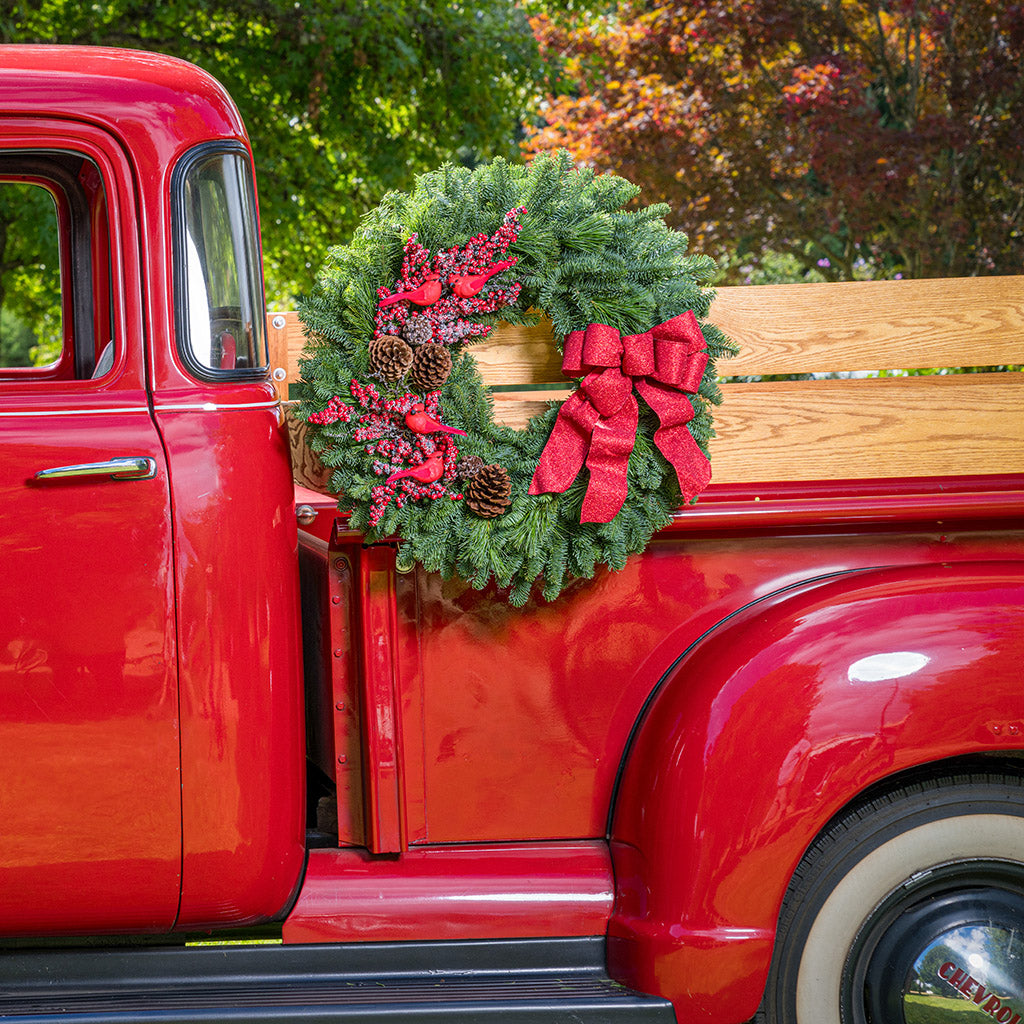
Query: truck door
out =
(90, 820)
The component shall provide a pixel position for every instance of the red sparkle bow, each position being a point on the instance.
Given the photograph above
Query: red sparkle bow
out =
(598, 422)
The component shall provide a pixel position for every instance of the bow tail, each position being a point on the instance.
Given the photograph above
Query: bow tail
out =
(610, 448)
(566, 448)
(674, 441)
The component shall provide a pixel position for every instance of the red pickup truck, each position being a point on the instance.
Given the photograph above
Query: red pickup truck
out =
(774, 766)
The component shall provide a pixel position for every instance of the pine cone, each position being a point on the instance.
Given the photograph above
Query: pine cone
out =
(469, 466)
(431, 365)
(489, 493)
(417, 330)
(389, 357)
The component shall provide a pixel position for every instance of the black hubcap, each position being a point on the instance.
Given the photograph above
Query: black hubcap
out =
(947, 946)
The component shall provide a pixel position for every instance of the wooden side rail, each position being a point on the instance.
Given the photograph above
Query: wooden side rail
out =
(822, 429)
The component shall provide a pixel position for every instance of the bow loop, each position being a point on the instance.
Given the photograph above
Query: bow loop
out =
(598, 347)
(597, 424)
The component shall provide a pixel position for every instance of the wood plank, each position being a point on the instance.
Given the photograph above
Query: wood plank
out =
(852, 429)
(519, 355)
(516, 408)
(872, 325)
(821, 328)
(860, 429)
(286, 341)
(793, 328)
(511, 355)
(845, 429)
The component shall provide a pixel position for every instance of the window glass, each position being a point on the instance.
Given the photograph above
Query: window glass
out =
(31, 329)
(220, 289)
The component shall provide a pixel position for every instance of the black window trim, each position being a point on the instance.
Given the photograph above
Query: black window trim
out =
(196, 155)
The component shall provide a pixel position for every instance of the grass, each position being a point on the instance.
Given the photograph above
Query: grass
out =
(938, 1010)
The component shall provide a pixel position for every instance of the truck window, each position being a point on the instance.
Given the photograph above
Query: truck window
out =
(31, 332)
(219, 287)
(52, 210)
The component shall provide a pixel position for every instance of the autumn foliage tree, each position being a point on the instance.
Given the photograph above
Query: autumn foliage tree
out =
(862, 137)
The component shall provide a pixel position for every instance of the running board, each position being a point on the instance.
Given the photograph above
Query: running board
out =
(529, 981)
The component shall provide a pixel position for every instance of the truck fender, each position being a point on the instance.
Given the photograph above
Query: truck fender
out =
(767, 728)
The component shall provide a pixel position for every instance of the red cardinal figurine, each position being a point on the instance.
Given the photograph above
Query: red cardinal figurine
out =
(426, 295)
(466, 287)
(425, 473)
(420, 422)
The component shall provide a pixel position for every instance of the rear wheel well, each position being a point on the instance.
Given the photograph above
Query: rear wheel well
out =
(1003, 763)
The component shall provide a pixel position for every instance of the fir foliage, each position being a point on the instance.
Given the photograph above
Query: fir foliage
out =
(583, 256)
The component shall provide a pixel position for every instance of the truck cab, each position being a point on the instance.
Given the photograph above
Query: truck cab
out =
(144, 647)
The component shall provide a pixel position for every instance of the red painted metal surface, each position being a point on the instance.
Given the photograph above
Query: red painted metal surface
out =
(381, 713)
(346, 713)
(89, 729)
(110, 720)
(239, 663)
(324, 526)
(236, 543)
(334, 714)
(88, 709)
(526, 713)
(462, 892)
(767, 729)
(981, 499)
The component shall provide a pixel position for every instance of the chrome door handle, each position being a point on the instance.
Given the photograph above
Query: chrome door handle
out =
(127, 468)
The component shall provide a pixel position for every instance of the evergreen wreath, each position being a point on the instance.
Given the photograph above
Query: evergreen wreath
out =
(399, 413)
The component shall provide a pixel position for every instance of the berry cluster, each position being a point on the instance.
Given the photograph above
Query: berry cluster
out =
(394, 449)
(405, 489)
(336, 411)
(448, 314)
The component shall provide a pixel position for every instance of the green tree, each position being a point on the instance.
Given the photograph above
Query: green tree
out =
(343, 100)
